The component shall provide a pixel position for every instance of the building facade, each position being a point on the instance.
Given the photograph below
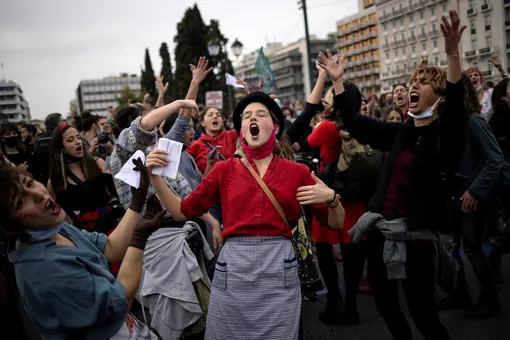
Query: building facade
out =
(96, 95)
(358, 43)
(486, 35)
(289, 65)
(13, 106)
(408, 30)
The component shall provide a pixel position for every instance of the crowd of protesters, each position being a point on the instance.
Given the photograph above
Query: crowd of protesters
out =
(400, 184)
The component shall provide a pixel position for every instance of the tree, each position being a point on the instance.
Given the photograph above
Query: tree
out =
(166, 72)
(128, 96)
(148, 79)
(190, 44)
(221, 61)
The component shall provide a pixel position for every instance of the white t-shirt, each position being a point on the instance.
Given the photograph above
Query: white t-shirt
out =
(486, 104)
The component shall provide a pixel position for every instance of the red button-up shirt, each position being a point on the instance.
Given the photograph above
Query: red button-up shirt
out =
(199, 150)
(246, 209)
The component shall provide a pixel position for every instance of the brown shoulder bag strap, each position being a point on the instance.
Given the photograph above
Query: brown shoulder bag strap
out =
(266, 190)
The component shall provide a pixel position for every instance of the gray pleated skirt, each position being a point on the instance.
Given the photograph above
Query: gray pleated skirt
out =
(255, 292)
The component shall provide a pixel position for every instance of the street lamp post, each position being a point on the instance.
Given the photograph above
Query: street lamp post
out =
(214, 48)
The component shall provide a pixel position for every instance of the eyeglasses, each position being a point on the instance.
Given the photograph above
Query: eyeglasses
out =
(258, 114)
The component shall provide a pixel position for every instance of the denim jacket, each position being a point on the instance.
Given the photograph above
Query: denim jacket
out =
(68, 291)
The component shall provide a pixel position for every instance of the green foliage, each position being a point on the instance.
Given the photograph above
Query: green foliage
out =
(128, 96)
(191, 43)
(166, 72)
(148, 79)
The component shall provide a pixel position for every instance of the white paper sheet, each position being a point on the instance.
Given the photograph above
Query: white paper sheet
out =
(174, 150)
(232, 81)
(127, 174)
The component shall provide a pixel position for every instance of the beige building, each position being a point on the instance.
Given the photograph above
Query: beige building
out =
(486, 35)
(409, 29)
(358, 42)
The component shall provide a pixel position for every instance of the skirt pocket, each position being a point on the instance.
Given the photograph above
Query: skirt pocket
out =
(220, 275)
(290, 268)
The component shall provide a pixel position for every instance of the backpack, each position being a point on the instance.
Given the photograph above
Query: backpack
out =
(356, 174)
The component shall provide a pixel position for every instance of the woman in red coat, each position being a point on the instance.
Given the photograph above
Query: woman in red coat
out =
(213, 134)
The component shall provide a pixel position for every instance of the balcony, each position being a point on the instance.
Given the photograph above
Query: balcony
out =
(471, 12)
(422, 36)
(486, 7)
(488, 50)
(411, 39)
(470, 54)
(486, 73)
(433, 33)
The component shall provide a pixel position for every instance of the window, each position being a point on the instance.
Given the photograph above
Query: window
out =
(411, 17)
(394, 24)
(402, 36)
(424, 46)
(471, 4)
(415, 64)
(412, 33)
(396, 53)
(489, 42)
(436, 61)
(490, 66)
(401, 21)
(434, 43)
(444, 8)
(473, 25)
(422, 29)
(384, 13)
(400, 7)
(433, 26)
(474, 45)
(395, 38)
(421, 15)
(487, 21)
(413, 48)
(387, 55)
(432, 11)
(403, 51)
(385, 26)
(386, 41)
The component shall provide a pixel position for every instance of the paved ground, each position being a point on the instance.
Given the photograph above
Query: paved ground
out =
(372, 325)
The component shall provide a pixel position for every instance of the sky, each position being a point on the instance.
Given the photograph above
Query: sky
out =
(48, 46)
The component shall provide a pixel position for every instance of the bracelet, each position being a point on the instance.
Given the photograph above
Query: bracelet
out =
(333, 200)
(334, 206)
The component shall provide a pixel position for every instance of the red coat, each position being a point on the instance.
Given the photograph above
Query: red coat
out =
(246, 209)
(199, 150)
(326, 136)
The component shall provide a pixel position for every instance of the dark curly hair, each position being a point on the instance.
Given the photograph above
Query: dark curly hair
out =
(471, 102)
(500, 106)
(10, 186)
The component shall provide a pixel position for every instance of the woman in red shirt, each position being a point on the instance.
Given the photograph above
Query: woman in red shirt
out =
(213, 134)
(256, 290)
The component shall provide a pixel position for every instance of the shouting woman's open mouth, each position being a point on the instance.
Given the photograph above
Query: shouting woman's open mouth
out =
(413, 99)
(254, 131)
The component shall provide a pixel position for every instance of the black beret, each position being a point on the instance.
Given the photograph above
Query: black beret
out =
(262, 98)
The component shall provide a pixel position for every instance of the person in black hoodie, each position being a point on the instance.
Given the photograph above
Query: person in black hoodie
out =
(477, 176)
(414, 187)
(41, 158)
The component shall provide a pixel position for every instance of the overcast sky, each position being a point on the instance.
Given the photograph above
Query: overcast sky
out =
(48, 46)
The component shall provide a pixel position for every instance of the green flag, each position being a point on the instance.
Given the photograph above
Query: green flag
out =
(263, 70)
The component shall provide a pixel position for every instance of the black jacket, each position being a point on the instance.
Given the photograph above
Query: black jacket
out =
(437, 148)
(41, 159)
(481, 162)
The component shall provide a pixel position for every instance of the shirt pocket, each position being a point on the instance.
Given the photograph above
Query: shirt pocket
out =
(220, 276)
(290, 273)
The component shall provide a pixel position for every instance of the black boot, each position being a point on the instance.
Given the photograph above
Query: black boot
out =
(495, 261)
(488, 306)
(334, 313)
